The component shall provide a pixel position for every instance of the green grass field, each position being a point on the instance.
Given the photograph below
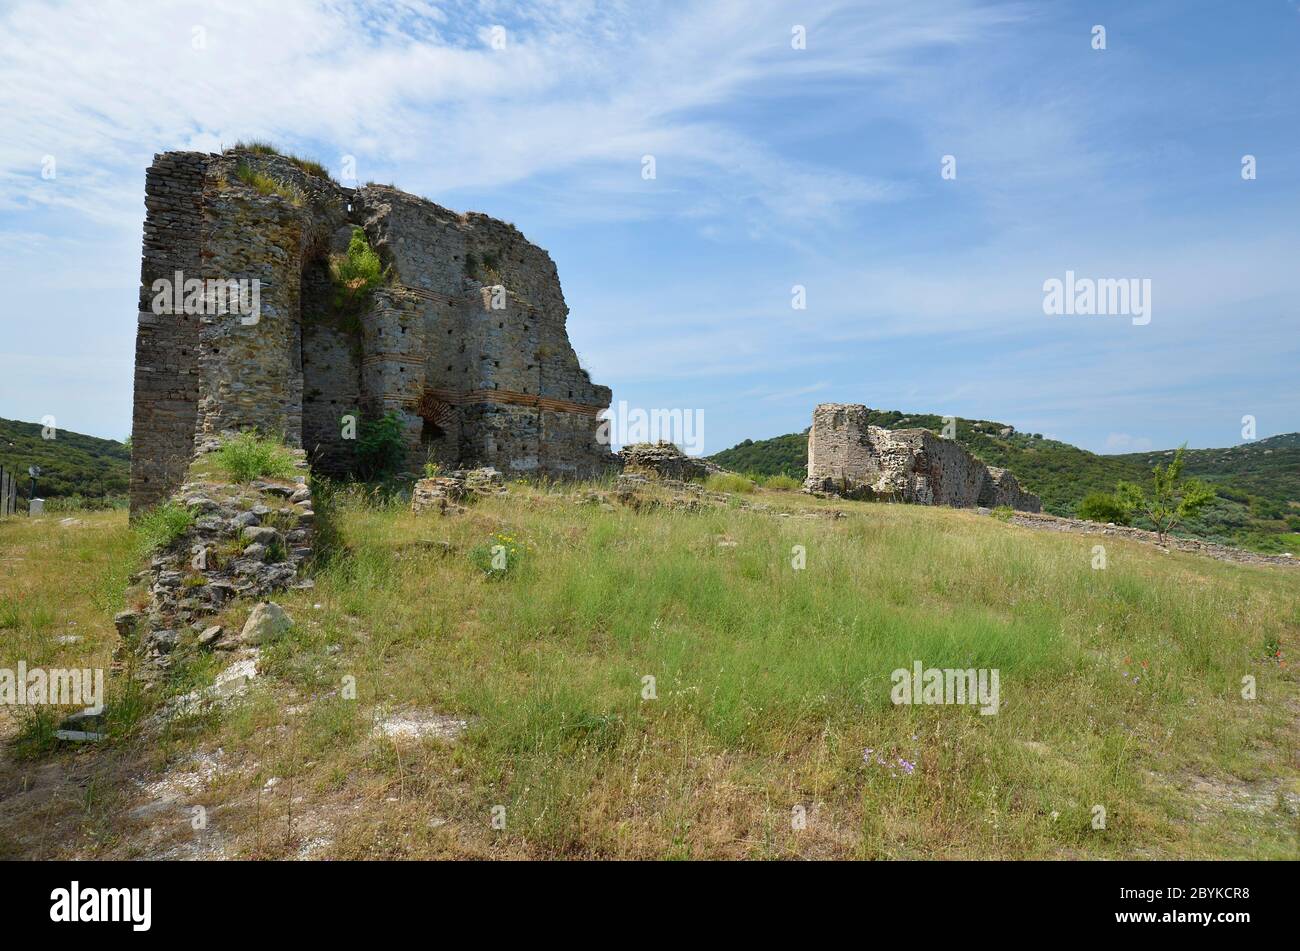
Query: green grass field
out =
(1120, 688)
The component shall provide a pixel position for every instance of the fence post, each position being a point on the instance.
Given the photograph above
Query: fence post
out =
(7, 487)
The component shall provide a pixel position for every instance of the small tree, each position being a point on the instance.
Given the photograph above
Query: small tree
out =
(1104, 507)
(381, 447)
(1171, 500)
(355, 274)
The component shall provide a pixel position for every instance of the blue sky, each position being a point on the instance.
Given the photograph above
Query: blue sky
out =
(775, 167)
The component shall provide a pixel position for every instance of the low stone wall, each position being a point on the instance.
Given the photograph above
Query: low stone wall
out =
(848, 456)
(1056, 523)
(246, 541)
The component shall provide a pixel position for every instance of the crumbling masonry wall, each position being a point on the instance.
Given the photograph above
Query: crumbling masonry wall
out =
(465, 341)
(849, 456)
(166, 345)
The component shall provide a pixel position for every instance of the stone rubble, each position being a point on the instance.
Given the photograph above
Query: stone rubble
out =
(443, 493)
(665, 460)
(246, 542)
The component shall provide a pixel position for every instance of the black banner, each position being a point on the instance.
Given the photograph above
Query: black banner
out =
(942, 901)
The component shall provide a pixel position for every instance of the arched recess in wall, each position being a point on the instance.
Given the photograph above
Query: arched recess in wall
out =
(437, 416)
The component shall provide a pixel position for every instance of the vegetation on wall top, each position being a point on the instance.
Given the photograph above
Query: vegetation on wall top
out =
(267, 185)
(259, 147)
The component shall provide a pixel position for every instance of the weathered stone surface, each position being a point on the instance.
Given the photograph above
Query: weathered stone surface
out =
(441, 493)
(847, 456)
(665, 460)
(1004, 489)
(268, 622)
(261, 534)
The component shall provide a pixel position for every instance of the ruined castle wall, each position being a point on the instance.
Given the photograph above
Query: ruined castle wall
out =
(499, 370)
(1002, 488)
(569, 445)
(250, 366)
(393, 360)
(838, 450)
(166, 345)
(917, 466)
(848, 456)
(465, 340)
(331, 370)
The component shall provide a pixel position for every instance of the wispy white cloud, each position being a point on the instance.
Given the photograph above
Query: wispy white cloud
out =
(418, 94)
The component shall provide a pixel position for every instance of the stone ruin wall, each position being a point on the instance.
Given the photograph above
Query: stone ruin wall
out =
(473, 383)
(849, 456)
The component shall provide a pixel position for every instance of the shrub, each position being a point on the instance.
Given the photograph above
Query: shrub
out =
(1171, 499)
(1104, 507)
(381, 447)
(267, 185)
(1003, 513)
(728, 482)
(159, 527)
(355, 274)
(249, 456)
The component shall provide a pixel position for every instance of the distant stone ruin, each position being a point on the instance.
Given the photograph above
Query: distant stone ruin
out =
(666, 461)
(848, 456)
(464, 340)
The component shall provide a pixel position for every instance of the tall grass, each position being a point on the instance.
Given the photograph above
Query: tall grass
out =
(658, 683)
(267, 185)
(157, 528)
(729, 482)
(781, 481)
(260, 147)
(770, 682)
(250, 456)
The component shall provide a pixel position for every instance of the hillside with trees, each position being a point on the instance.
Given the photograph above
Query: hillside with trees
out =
(72, 465)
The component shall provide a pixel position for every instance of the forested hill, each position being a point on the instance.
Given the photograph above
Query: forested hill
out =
(71, 464)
